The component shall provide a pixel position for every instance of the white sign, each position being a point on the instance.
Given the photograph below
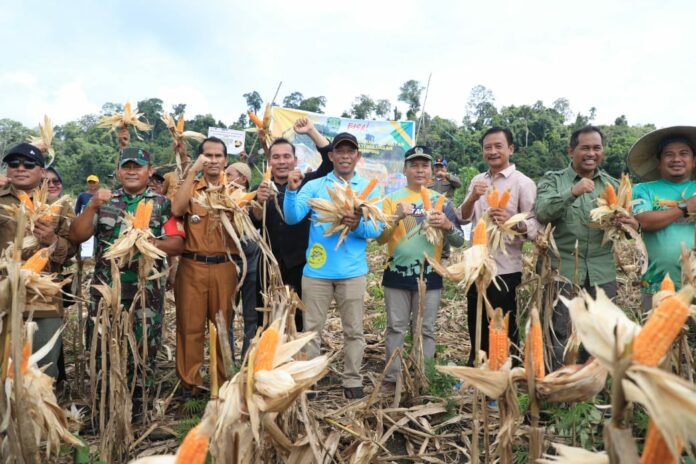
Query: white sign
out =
(234, 139)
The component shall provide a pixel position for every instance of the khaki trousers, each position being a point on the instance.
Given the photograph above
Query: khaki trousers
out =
(317, 295)
(201, 290)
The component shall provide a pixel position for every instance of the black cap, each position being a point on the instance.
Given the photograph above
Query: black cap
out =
(345, 137)
(419, 151)
(157, 175)
(28, 151)
(135, 154)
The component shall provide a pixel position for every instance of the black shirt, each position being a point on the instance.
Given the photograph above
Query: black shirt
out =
(289, 243)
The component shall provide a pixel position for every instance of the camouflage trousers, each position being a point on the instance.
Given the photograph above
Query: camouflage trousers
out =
(154, 313)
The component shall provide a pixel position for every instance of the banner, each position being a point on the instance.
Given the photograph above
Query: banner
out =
(234, 139)
(382, 143)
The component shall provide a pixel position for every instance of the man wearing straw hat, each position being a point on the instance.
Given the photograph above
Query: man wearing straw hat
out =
(664, 202)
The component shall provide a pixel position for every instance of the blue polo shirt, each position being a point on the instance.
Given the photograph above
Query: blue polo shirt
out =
(324, 261)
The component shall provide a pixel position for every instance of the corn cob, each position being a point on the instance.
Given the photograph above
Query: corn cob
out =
(266, 350)
(610, 195)
(504, 199)
(25, 200)
(194, 448)
(493, 198)
(255, 119)
(38, 261)
(349, 194)
(479, 236)
(180, 123)
(142, 215)
(54, 210)
(440, 203)
(659, 332)
(533, 346)
(246, 198)
(425, 195)
(364, 194)
(656, 450)
(267, 175)
(498, 341)
(667, 284)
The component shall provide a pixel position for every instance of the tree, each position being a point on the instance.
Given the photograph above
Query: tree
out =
(621, 121)
(294, 100)
(480, 107)
(410, 93)
(178, 109)
(12, 133)
(562, 105)
(362, 107)
(153, 109)
(313, 104)
(382, 108)
(253, 101)
(397, 114)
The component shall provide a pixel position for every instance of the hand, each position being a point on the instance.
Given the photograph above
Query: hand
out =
(263, 193)
(3, 181)
(499, 215)
(480, 188)
(101, 197)
(303, 125)
(351, 220)
(439, 220)
(584, 185)
(403, 209)
(200, 163)
(629, 221)
(44, 232)
(295, 180)
(691, 204)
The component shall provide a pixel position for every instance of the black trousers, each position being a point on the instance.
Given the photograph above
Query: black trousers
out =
(503, 298)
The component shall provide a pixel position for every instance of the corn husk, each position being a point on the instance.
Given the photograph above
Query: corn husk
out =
(121, 122)
(344, 200)
(262, 127)
(45, 139)
(473, 264)
(499, 235)
(688, 266)
(575, 383)
(179, 135)
(47, 417)
(492, 383)
(36, 206)
(41, 287)
(572, 455)
(630, 253)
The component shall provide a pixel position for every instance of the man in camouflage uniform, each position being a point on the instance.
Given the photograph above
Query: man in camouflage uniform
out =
(103, 216)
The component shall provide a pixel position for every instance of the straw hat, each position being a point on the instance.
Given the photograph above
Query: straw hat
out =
(642, 157)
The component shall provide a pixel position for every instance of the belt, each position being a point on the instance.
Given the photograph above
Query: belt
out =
(206, 259)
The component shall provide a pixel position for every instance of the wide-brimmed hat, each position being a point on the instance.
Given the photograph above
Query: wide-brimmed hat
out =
(642, 157)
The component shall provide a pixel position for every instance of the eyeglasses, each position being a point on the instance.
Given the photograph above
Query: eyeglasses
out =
(28, 164)
(53, 181)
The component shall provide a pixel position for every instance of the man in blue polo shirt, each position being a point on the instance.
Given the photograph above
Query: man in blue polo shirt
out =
(332, 272)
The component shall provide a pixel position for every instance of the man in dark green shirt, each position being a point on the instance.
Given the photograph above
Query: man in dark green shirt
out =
(565, 199)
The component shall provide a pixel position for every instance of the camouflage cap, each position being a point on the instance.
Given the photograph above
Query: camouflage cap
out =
(137, 155)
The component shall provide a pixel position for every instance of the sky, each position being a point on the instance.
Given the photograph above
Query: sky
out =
(66, 59)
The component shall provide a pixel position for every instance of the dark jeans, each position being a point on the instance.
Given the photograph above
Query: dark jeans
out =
(503, 298)
(248, 296)
(562, 325)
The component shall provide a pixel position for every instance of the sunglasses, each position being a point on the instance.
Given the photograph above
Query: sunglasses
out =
(53, 181)
(28, 164)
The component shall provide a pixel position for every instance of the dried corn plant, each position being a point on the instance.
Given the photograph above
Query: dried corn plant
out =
(344, 200)
(179, 135)
(499, 235)
(122, 122)
(36, 207)
(630, 253)
(45, 140)
(432, 234)
(263, 128)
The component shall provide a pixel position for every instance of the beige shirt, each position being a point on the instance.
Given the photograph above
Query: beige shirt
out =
(522, 196)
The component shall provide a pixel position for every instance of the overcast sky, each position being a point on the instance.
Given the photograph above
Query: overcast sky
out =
(66, 59)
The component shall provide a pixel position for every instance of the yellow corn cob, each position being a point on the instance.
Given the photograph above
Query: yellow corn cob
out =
(142, 215)
(194, 448)
(255, 119)
(659, 332)
(180, 123)
(656, 450)
(26, 200)
(267, 115)
(349, 194)
(439, 203)
(246, 198)
(610, 195)
(268, 174)
(493, 198)
(534, 345)
(127, 108)
(53, 212)
(667, 284)
(266, 350)
(364, 194)
(425, 195)
(38, 261)
(498, 341)
(504, 199)
(479, 236)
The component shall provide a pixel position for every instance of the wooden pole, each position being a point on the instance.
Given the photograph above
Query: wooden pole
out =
(212, 333)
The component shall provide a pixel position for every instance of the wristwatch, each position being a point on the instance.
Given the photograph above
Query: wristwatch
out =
(684, 209)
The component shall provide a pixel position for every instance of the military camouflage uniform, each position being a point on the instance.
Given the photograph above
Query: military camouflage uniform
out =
(107, 228)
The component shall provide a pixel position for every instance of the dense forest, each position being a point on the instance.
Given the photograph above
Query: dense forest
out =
(541, 131)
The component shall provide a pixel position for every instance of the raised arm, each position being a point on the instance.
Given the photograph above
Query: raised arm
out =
(296, 202)
(82, 228)
(182, 198)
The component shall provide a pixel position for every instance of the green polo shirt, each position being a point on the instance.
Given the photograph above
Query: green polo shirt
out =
(570, 216)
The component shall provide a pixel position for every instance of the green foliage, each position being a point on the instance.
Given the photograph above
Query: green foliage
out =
(580, 422)
(194, 406)
(183, 426)
(440, 384)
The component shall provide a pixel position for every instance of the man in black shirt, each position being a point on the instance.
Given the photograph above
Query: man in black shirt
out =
(289, 243)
